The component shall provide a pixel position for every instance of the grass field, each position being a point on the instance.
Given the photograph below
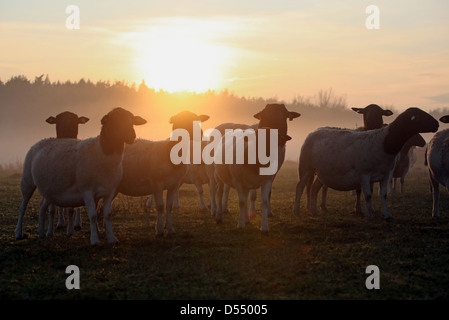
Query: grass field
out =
(322, 257)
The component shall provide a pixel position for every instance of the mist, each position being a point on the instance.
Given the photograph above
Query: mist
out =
(25, 105)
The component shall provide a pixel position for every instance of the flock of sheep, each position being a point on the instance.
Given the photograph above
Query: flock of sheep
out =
(71, 173)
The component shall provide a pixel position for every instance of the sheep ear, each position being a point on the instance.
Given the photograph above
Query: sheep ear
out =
(444, 119)
(104, 120)
(203, 117)
(138, 121)
(387, 113)
(287, 137)
(83, 120)
(292, 115)
(358, 110)
(258, 115)
(51, 120)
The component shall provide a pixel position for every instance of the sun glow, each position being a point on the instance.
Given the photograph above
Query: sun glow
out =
(180, 57)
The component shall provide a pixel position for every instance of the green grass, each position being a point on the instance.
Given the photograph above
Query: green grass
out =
(322, 257)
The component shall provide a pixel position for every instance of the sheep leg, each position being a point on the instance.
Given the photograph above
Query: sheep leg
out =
(224, 203)
(323, 204)
(199, 188)
(243, 206)
(43, 207)
(107, 209)
(176, 204)
(51, 211)
(252, 203)
(171, 196)
(220, 190)
(309, 190)
(61, 220)
(149, 201)
(78, 222)
(27, 192)
(393, 185)
(316, 186)
(213, 190)
(90, 206)
(402, 183)
(383, 195)
(303, 179)
(70, 228)
(159, 199)
(436, 197)
(266, 191)
(367, 192)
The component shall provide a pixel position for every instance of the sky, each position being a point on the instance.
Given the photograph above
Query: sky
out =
(272, 49)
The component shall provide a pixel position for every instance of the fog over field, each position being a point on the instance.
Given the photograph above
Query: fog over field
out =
(25, 104)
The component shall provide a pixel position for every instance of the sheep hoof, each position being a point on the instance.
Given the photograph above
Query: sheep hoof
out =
(389, 218)
(264, 233)
(77, 228)
(113, 241)
(271, 214)
(22, 236)
(59, 227)
(219, 220)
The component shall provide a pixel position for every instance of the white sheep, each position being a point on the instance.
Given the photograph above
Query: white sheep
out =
(372, 119)
(73, 173)
(66, 128)
(226, 189)
(347, 160)
(148, 169)
(403, 162)
(244, 177)
(437, 157)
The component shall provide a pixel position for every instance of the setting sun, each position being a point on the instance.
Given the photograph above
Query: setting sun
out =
(180, 58)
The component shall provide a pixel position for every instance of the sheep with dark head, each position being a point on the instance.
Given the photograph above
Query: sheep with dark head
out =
(244, 177)
(148, 169)
(73, 173)
(66, 128)
(372, 119)
(347, 159)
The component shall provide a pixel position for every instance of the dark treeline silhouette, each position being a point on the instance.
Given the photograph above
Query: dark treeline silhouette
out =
(25, 104)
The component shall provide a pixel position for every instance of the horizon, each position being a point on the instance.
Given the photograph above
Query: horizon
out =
(254, 49)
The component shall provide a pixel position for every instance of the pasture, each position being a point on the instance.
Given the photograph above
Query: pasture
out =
(322, 257)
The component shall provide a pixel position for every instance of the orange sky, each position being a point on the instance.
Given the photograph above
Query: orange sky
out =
(254, 48)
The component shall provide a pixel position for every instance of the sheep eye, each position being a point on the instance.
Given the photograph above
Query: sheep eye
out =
(413, 118)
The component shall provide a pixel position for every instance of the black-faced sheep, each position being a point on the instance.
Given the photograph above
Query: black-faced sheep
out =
(73, 173)
(372, 119)
(66, 128)
(246, 176)
(347, 160)
(148, 169)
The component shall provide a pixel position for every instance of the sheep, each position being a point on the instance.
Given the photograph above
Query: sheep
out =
(437, 155)
(73, 173)
(148, 169)
(66, 128)
(226, 189)
(244, 177)
(372, 119)
(346, 159)
(404, 161)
